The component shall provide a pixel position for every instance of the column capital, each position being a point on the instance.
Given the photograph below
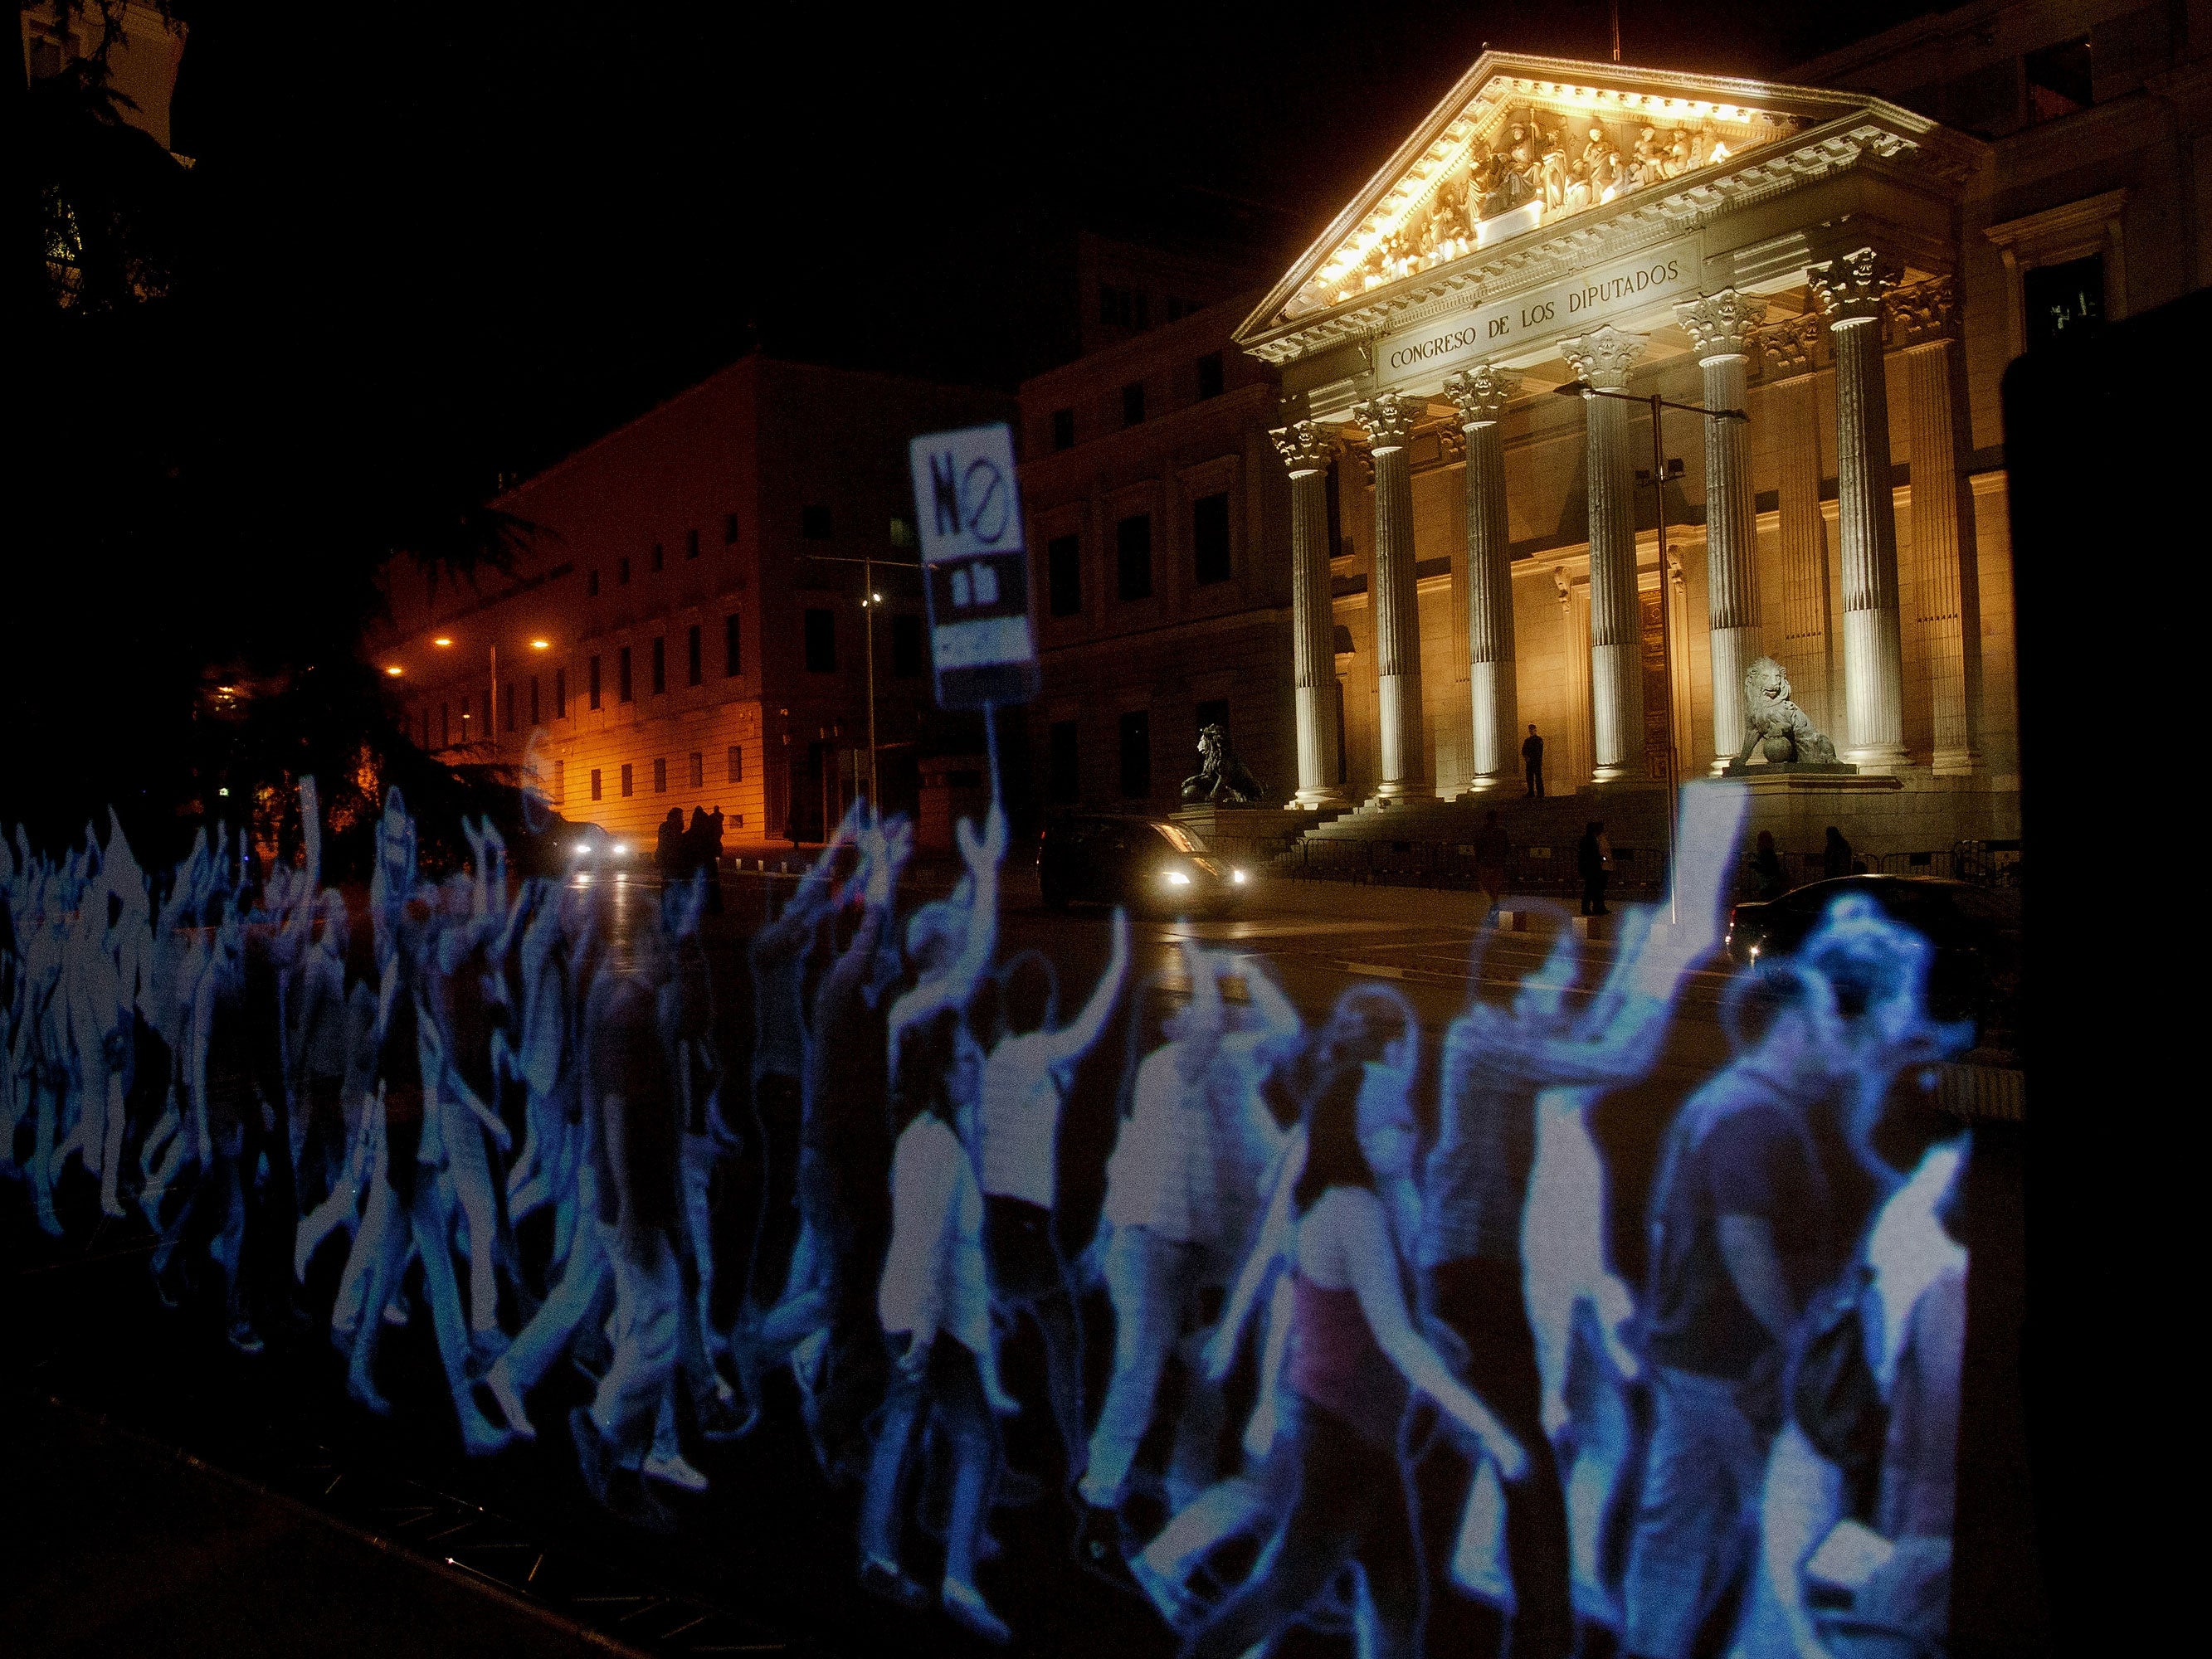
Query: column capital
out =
(1304, 448)
(1481, 392)
(1388, 417)
(1851, 289)
(1603, 356)
(1720, 325)
(1923, 314)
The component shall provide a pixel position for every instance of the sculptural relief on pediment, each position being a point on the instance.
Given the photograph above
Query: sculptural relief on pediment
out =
(1525, 154)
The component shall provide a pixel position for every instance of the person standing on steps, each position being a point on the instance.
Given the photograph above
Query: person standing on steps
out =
(1532, 762)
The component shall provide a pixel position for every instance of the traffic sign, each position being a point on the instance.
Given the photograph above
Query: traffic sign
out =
(975, 566)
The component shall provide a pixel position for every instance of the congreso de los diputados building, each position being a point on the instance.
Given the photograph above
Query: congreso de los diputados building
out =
(1431, 549)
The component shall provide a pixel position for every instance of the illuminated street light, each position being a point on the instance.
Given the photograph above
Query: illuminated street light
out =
(395, 671)
(442, 640)
(541, 645)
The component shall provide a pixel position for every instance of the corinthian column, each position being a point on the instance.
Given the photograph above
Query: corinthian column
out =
(1390, 419)
(1923, 320)
(1850, 292)
(1481, 395)
(1308, 451)
(1720, 327)
(1604, 358)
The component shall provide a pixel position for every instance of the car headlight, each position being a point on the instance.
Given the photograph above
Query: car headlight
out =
(618, 849)
(1237, 876)
(1177, 878)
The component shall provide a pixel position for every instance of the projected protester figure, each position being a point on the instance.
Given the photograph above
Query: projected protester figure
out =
(1025, 1084)
(1765, 1177)
(630, 1101)
(1354, 1355)
(935, 1305)
(844, 1169)
(1182, 1193)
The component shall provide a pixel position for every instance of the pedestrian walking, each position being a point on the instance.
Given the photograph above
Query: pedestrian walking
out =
(1594, 863)
(1766, 868)
(1490, 850)
(1836, 856)
(1532, 761)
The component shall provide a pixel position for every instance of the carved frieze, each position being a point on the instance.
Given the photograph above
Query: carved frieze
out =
(1794, 346)
(1389, 418)
(1923, 312)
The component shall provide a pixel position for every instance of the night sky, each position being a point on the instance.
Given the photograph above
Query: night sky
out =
(423, 247)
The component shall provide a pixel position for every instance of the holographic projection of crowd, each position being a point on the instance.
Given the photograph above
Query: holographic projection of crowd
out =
(1409, 1391)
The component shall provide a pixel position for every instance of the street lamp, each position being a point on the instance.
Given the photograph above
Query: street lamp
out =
(1657, 478)
(870, 602)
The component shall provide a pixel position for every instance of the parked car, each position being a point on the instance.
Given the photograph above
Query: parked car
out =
(1147, 863)
(1975, 930)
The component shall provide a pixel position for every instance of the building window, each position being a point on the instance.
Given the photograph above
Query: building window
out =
(733, 648)
(622, 675)
(909, 659)
(2063, 302)
(2058, 79)
(690, 544)
(628, 781)
(698, 770)
(591, 584)
(1136, 733)
(1133, 403)
(1336, 547)
(821, 641)
(1063, 557)
(738, 765)
(560, 783)
(1209, 538)
(592, 683)
(560, 694)
(535, 718)
(1121, 307)
(506, 714)
(659, 558)
(445, 725)
(621, 571)
(1063, 428)
(1063, 763)
(1214, 711)
(483, 707)
(1133, 557)
(901, 531)
(1179, 308)
(695, 659)
(814, 523)
(660, 774)
(597, 787)
(659, 665)
(1209, 376)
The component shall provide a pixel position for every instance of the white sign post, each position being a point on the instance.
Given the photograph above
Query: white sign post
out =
(975, 566)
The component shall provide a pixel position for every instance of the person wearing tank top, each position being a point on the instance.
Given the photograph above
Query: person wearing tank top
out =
(1356, 1357)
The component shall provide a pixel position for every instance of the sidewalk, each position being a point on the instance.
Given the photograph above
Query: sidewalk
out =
(123, 1547)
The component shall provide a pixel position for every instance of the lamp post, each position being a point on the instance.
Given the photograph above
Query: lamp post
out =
(870, 602)
(1661, 473)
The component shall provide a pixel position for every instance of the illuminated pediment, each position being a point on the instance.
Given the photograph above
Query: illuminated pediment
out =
(1524, 148)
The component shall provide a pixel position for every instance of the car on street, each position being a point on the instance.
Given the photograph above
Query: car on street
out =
(585, 849)
(1976, 930)
(1148, 864)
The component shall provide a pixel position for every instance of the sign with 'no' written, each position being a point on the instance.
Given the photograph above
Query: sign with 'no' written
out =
(975, 566)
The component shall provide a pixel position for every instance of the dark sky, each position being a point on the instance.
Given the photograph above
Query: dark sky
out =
(504, 228)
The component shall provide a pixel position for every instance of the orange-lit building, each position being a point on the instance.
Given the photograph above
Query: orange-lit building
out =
(687, 627)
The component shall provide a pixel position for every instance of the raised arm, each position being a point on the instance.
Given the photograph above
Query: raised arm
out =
(1363, 1236)
(1204, 1016)
(1073, 1039)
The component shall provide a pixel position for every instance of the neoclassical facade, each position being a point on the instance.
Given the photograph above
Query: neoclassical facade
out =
(1812, 267)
